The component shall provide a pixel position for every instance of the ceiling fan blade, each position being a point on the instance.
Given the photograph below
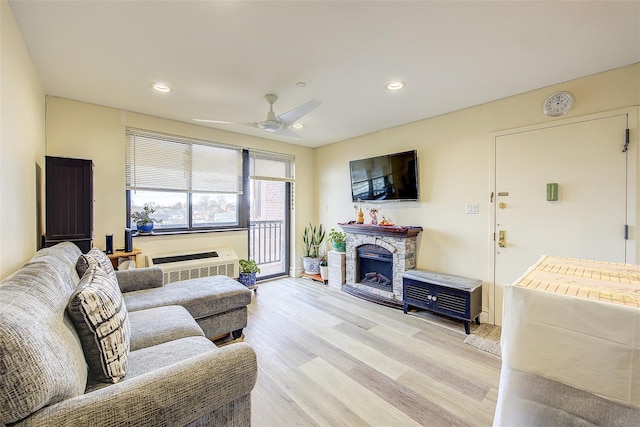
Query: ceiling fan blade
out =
(255, 125)
(293, 115)
(213, 121)
(288, 133)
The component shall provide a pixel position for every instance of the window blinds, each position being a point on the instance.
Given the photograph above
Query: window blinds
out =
(160, 162)
(270, 166)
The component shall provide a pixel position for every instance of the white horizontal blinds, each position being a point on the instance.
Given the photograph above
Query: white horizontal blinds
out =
(271, 166)
(216, 168)
(159, 162)
(154, 163)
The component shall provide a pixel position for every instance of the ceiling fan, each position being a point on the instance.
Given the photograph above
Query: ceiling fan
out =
(278, 125)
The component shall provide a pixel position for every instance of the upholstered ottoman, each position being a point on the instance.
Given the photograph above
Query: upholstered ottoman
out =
(217, 303)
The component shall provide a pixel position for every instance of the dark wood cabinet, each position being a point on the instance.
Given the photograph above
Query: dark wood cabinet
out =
(69, 201)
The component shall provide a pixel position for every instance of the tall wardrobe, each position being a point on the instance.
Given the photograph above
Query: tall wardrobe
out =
(69, 202)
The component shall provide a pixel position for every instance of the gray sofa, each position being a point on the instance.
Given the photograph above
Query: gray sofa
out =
(217, 303)
(174, 375)
(525, 399)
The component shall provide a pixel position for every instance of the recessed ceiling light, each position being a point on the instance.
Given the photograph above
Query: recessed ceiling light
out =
(297, 126)
(160, 87)
(301, 84)
(395, 85)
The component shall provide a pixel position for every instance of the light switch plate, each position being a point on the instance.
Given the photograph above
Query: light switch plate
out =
(472, 208)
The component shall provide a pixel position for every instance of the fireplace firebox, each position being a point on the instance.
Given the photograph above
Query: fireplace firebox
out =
(375, 267)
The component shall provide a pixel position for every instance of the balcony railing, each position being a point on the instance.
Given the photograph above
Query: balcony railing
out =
(266, 241)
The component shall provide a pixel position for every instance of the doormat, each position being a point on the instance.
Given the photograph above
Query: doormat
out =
(486, 338)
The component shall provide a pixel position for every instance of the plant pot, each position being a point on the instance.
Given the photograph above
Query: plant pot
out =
(311, 265)
(340, 247)
(247, 279)
(144, 228)
(324, 272)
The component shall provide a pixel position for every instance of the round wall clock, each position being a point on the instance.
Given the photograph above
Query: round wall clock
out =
(558, 104)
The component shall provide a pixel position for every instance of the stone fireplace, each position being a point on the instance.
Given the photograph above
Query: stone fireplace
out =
(376, 257)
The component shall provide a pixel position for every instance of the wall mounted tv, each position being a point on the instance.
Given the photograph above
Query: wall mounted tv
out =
(383, 178)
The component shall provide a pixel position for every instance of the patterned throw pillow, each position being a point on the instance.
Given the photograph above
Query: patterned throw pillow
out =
(96, 257)
(101, 319)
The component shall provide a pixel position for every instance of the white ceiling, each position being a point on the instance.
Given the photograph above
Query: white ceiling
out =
(221, 58)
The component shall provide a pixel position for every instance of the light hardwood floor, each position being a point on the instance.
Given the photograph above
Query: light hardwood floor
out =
(330, 359)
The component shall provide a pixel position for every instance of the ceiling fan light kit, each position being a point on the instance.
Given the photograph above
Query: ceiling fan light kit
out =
(270, 125)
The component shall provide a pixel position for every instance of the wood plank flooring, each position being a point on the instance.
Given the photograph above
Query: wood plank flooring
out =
(326, 358)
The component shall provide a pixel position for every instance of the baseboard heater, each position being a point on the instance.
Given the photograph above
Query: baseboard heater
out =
(184, 266)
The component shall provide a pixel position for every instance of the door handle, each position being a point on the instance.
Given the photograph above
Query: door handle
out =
(502, 239)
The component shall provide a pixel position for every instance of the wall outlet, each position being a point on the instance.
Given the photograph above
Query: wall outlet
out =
(472, 208)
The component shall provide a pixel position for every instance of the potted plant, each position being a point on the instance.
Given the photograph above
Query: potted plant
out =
(337, 240)
(248, 271)
(144, 223)
(312, 237)
(324, 268)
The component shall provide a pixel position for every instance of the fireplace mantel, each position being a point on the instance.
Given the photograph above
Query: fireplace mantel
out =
(399, 231)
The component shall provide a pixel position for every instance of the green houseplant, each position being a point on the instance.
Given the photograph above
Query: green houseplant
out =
(248, 271)
(337, 240)
(143, 220)
(324, 268)
(312, 237)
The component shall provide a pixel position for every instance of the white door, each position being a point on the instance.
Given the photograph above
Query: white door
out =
(587, 161)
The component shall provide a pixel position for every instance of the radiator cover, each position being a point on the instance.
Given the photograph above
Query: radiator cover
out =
(185, 266)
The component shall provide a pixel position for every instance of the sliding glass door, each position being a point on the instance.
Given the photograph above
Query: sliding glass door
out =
(269, 207)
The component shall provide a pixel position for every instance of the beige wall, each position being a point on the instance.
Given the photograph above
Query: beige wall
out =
(22, 125)
(78, 129)
(454, 151)
(455, 154)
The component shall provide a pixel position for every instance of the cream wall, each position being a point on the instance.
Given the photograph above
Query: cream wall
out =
(454, 152)
(22, 125)
(89, 131)
(454, 155)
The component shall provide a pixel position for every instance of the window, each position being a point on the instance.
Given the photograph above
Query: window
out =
(191, 184)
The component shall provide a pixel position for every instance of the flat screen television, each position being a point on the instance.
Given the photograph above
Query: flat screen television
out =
(382, 178)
